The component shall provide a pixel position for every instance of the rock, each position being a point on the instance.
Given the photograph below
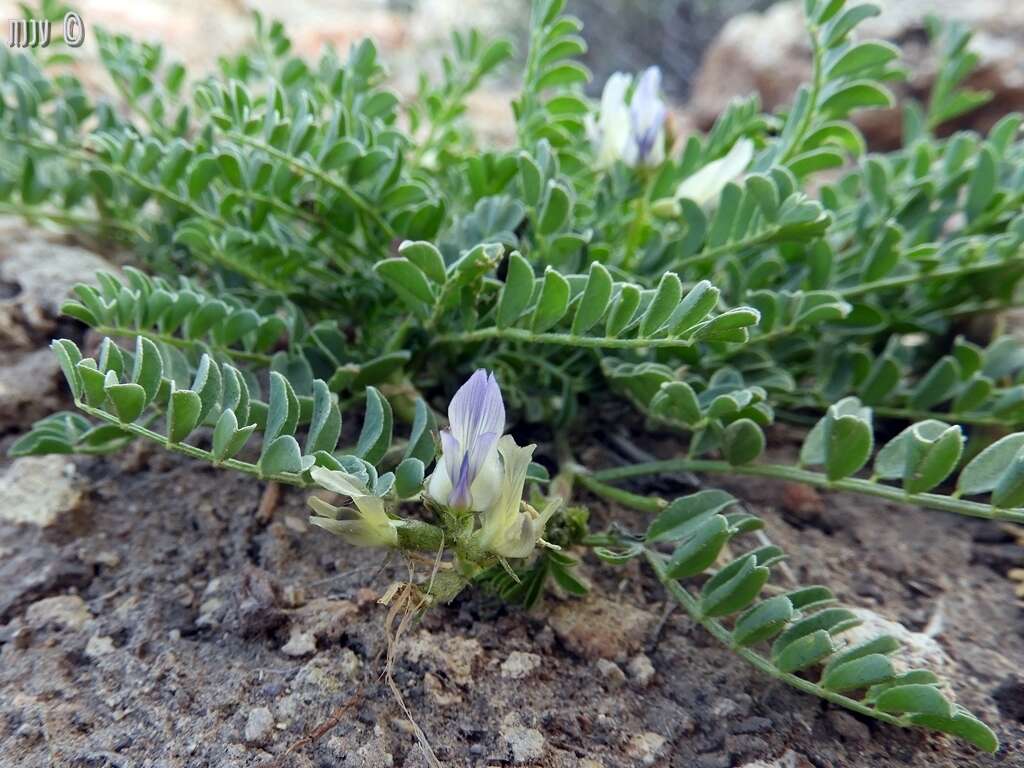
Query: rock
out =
(768, 53)
(456, 656)
(848, 727)
(38, 490)
(299, 643)
(612, 673)
(526, 745)
(28, 386)
(99, 645)
(63, 611)
(917, 649)
(752, 725)
(645, 748)
(326, 619)
(641, 670)
(519, 664)
(259, 725)
(328, 673)
(789, 759)
(436, 691)
(44, 273)
(599, 628)
(1009, 697)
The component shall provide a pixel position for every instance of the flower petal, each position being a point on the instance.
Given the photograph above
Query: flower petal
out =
(476, 409)
(339, 482)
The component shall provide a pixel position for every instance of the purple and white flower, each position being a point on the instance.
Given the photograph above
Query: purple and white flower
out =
(630, 130)
(468, 474)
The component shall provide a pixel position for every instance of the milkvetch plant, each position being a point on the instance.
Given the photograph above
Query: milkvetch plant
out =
(324, 270)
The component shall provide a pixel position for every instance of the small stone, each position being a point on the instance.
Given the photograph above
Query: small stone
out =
(287, 707)
(456, 656)
(752, 725)
(322, 675)
(519, 664)
(22, 638)
(724, 708)
(598, 628)
(611, 672)
(62, 611)
(645, 748)
(1009, 697)
(848, 727)
(525, 744)
(259, 725)
(299, 643)
(99, 645)
(436, 691)
(38, 490)
(641, 670)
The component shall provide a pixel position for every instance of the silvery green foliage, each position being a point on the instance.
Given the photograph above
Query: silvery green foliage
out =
(313, 248)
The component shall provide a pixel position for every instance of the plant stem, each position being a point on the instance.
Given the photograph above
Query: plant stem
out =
(175, 341)
(192, 451)
(724, 636)
(610, 492)
(565, 339)
(798, 475)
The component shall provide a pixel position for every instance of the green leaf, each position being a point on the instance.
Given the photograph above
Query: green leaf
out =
(421, 440)
(207, 384)
(700, 549)
(805, 652)
(983, 472)
(858, 673)
(763, 621)
(426, 257)
(282, 455)
(664, 303)
(862, 94)
(409, 477)
(677, 520)
(623, 309)
(722, 596)
(68, 357)
(743, 442)
(375, 436)
(867, 55)
(962, 725)
(594, 301)
(148, 367)
(516, 293)
(129, 400)
(183, 414)
(553, 302)
(407, 280)
(325, 422)
(915, 699)
(554, 213)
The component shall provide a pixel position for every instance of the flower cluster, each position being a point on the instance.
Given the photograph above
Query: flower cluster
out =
(480, 470)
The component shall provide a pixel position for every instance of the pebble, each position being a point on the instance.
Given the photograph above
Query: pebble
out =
(38, 490)
(520, 664)
(525, 744)
(641, 670)
(99, 645)
(612, 673)
(63, 611)
(598, 628)
(848, 727)
(259, 725)
(299, 643)
(752, 725)
(645, 748)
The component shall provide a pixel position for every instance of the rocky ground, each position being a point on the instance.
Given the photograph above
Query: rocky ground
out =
(154, 612)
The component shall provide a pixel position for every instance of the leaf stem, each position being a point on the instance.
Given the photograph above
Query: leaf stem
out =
(724, 636)
(565, 339)
(798, 475)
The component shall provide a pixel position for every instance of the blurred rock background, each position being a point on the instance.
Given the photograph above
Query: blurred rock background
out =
(708, 50)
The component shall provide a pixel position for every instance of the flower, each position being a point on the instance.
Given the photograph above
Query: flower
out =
(468, 474)
(707, 184)
(372, 526)
(630, 131)
(511, 527)
(647, 119)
